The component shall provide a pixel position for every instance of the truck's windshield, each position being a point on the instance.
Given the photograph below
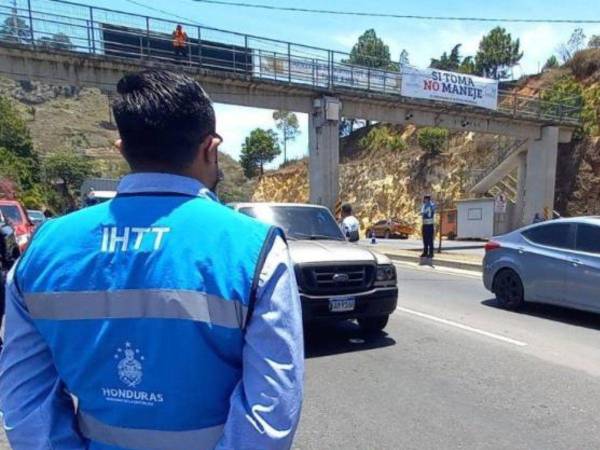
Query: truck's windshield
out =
(298, 222)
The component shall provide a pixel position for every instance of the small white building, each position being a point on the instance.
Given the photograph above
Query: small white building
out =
(482, 218)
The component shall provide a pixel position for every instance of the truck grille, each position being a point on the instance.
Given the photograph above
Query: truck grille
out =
(336, 279)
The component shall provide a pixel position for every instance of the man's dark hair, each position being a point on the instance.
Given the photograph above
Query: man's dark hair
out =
(347, 208)
(162, 119)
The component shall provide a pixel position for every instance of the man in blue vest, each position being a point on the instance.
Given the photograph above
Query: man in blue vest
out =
(428, 218)
(159, 320)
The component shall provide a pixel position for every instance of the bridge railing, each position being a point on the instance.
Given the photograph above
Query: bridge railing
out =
(67, 26)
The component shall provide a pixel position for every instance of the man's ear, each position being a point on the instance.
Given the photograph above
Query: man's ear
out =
(205, 149)
(119, 145)
(210, 149)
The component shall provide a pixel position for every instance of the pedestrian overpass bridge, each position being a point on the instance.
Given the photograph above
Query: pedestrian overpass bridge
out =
(60, 42)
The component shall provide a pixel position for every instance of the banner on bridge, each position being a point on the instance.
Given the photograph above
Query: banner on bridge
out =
(434, 84)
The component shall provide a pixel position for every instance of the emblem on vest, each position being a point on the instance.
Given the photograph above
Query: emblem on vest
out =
(130, 369)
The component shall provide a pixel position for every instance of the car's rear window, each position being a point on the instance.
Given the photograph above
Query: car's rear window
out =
(588, 238)
(11, 213)
(552, 235)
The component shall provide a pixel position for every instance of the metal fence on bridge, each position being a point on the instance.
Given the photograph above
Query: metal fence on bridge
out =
(67, 26)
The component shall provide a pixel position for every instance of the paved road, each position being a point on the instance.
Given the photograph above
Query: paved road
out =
(450, 247)
(454, 372)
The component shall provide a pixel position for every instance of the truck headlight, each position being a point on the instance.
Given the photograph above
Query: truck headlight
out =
(386, 273)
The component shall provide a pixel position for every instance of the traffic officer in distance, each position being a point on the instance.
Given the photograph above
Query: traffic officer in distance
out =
(174, 321)
(428, 230)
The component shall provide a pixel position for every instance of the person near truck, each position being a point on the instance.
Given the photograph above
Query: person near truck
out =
(428, 220)
(350, 225)
(173, 320)
(180, 42)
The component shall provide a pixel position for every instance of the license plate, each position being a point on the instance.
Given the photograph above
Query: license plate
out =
(342, 304)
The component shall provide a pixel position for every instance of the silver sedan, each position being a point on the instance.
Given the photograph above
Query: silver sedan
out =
(554, 262)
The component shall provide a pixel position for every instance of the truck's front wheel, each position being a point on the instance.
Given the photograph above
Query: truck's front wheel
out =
(373, 324)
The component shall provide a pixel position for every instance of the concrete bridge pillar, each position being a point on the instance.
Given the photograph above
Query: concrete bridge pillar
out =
(324, 151)
(541, 174)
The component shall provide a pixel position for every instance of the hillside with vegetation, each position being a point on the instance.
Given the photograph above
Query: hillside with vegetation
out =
(67, 134)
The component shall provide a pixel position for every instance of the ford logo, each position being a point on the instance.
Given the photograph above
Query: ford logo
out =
(341, 277)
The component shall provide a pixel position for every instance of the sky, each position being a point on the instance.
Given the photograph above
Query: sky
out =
(422, 39)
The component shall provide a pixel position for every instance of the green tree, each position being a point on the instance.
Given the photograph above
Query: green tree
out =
(432, 139)
(497, 54)
(447, 61)
(287, 123)
(14, 134)
(371, 51)
(594, 41)
(575, 43)
(384, 137)
(564, 97)
(551, 63)
(404, 59)
(454, 62)
(260, 148)
(18, 159)
(67, 170)
(467, 65)
(58, 41)
(15, 29)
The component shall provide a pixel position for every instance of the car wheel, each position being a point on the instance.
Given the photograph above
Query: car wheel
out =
(373, 324)
(508, 288)
(387, 235)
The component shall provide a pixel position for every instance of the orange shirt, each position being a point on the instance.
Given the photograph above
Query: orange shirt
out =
(179, 38)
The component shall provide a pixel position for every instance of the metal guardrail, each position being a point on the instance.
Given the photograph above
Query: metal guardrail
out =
(67, 26)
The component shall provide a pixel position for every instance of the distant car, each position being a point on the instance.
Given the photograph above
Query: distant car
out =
(391, 228)
(555, 262)
(16, 216)
(36, 217)
(337, 280)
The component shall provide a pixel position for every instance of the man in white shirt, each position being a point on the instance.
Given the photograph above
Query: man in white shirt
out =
(350, 224)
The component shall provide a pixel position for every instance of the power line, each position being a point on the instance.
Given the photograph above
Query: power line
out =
(162, 11)
(395, 16)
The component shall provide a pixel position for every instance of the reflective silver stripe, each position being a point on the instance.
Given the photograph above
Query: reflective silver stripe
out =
(428, 221)
(141, 439)
(133, 303)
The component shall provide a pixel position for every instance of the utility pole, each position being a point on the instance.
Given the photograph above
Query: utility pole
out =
(442, 200)
(14, 19)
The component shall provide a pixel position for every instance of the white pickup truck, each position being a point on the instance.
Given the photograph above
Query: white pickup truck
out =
(337, 280)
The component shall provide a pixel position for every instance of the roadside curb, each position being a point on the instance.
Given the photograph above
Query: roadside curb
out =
(452, 264)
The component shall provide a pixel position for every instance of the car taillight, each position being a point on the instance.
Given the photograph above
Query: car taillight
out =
(492, 245)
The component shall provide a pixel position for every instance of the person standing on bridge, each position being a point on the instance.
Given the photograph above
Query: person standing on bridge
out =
(180, 42)
(428, 218)
(174, 321)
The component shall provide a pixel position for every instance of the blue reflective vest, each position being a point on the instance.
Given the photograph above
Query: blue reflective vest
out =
(143, 302)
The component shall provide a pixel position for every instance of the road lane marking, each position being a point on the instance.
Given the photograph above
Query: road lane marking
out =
(462, 327)
(439, 269)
